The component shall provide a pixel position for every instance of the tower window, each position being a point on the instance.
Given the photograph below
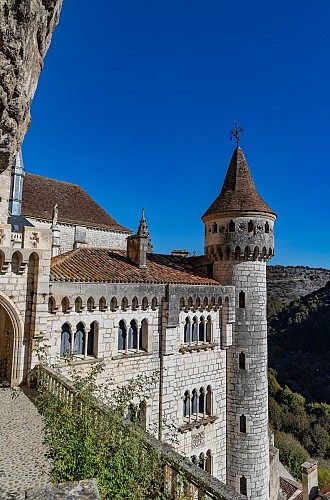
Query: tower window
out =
(243, 486)
(231, 226)
(214, 228)
(241, 300)
(250, 226)
(242, 424)
(210, 271)
(266, 227)
(241, 360)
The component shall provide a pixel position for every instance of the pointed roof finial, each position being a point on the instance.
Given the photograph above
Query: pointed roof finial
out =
(143, 228)
(236, 132)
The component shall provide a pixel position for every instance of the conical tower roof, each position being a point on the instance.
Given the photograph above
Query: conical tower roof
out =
(238, 192)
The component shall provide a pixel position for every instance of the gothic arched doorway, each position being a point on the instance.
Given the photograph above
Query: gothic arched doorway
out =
(11, 342)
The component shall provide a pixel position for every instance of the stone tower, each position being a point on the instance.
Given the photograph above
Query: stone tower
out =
(239, 240)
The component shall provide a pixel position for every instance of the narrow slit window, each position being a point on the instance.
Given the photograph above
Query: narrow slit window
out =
(242, 424)
(241, 300)
(241, 360)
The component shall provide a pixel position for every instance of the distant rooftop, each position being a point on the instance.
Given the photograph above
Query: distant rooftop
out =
(75, 206)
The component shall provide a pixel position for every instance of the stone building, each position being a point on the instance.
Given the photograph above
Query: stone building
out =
(71, 273)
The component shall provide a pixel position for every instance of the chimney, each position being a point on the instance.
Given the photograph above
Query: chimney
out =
(138, 245)
(310, 480)
(180, 253)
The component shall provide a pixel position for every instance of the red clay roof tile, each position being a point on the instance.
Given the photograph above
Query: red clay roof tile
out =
(112, 266)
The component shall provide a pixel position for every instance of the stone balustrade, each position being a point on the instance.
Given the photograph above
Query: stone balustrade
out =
(194, 482)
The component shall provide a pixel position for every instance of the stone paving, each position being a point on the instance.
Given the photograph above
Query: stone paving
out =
(22, 461)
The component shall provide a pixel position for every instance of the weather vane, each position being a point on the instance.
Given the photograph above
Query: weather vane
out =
(236, 132)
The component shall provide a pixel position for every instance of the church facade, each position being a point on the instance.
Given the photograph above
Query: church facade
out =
(71, 273)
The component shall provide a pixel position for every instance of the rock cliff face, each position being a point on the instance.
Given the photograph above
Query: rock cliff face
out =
(26, 28)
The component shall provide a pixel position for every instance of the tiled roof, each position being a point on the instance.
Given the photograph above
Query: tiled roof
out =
(238, 191)
(75, 206)
(112, 266)
(289, 488)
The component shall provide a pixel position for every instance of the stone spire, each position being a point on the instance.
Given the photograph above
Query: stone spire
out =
(238, 192)
(139, 244)
(16, 188)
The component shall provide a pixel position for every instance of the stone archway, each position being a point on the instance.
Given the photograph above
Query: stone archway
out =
(11, 342)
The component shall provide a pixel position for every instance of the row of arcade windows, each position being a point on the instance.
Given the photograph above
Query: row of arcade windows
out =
(91, 304)
(133, 337)
(198, 404)
(81, 342)
(198, 330)
(204, 461)
(231, 227)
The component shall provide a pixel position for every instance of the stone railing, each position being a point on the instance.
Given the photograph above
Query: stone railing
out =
(179, 470)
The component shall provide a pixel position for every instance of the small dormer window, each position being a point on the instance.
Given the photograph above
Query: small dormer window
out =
(231, 226)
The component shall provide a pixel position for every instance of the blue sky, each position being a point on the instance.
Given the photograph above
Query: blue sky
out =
(137, 98)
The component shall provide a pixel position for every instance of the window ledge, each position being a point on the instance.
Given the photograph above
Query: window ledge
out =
(130, 354)
(203, 346)
(81, 360)
(197, 423)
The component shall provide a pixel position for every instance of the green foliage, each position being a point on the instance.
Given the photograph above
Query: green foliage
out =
(85, 442)
(292, 453)
(307, 424)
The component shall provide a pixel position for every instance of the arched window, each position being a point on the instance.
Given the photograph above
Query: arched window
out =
(181, 303)
(205, 302)
(113, 304)
(237, 253)
(143, 336)
(78, 305)
(250, 226)
(51, 305)
(194, 402)
(256, 253)
(16, 262)
(198, 302)
(122, 336)
(201, 401)
(190, 302)
(186, 404)
(212, 303)
(214, 227)
(194, 329)
(209, 329)
(65, 305)
(135, 303)
(241, 300)
(154, 303)
(242, 423)
(208, 464)
(65, 341)
(92, 344)
(231, 226)
(266, 227)
(186, 336)
(132, 335)
(90, 304)
(243, 486)
(241, 360)
(209, 402)
(202, 328)
(79, 339)
(144, 303)
(124, 304)
(102, 304)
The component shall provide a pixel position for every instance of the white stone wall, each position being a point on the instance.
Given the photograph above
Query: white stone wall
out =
(96, 238)
(182, 370)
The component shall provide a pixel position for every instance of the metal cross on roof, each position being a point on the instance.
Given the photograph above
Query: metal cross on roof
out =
(236, 132)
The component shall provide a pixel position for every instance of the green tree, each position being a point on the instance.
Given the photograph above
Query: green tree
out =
(292, 453)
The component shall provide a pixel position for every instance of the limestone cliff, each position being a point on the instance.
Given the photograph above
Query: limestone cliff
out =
(26, 28)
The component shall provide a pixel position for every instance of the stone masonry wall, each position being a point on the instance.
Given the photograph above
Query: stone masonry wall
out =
(185, 367)
(97, 238)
